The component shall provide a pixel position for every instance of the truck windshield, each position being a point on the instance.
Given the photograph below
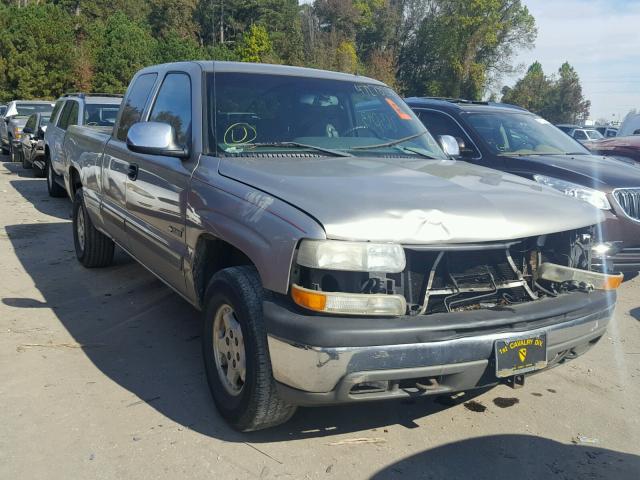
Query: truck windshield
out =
(257, 113)
(26, 109)
(522, 134)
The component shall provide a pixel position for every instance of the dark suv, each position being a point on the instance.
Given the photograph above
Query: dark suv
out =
(514, 140)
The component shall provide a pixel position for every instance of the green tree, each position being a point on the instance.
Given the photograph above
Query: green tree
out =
(174, 48)
(121, 47)
(255, 45)
(569, 104)
(35, 46)
(459, 47)
(559, 100)
(173, 18)
(532, 92)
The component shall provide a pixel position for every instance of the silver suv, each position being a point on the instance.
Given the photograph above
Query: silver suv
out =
(97, 110)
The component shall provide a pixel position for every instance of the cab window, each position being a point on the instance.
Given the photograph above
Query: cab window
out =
(134, 104)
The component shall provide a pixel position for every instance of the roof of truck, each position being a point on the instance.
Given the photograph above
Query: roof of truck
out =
(268, 69)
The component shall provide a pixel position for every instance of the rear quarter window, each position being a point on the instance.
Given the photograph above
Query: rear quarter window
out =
(135, 101)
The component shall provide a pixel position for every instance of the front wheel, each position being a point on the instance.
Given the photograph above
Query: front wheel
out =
(236, 354)
(55, 190)
(93, 248)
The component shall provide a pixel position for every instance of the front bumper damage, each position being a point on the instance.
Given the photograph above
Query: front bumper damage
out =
(328, 360)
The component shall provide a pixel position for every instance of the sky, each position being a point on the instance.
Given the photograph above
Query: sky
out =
(600, 39)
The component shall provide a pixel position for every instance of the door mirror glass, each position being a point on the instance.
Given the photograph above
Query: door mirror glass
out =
(450, 145)
(155, 138)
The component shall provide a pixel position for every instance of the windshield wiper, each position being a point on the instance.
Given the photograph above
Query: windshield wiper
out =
(335, 153)
(388, 144)
(538, 154)
(418, 152)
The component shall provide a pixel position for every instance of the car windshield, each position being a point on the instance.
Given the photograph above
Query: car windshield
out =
(103, 115)
(516, 133)
(594, 134)
(26, 109)
(258, 114)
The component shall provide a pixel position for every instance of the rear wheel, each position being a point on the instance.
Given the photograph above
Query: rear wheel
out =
(236, 354)
(55, 190)
(93, 248)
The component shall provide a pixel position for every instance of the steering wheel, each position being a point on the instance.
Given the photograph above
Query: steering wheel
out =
(351, 130)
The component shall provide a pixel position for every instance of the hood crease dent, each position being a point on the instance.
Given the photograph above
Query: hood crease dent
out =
(412, 201)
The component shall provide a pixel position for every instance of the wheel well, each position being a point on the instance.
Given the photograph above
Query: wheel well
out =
(211, 256)
(74, 181)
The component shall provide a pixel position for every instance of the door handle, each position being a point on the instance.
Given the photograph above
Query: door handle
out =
(132, 171)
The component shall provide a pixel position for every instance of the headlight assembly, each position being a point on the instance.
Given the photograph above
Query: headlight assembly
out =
(351, 256)
(595, 197)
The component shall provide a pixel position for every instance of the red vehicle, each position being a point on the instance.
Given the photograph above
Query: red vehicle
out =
(623, 147)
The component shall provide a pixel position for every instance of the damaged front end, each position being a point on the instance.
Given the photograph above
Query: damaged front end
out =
(389, 280)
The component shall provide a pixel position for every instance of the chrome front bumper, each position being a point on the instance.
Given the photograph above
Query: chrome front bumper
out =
(310, 375)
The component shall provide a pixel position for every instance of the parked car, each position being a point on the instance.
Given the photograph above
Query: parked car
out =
(524, 144)
(607, 132)
(622, 148)
(32, 143)
(338, 254)
(585, 134)
(98, 111)
(14, 119)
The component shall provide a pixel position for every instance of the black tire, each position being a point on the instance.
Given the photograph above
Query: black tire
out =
(257, 405)
(39, 172)
(55, 190)
(93, 248)
(26, 165)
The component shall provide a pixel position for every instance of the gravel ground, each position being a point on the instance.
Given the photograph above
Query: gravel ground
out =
(101, 376)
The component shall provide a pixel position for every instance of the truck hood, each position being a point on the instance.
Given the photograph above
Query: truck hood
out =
(412, 201)
(594, 171)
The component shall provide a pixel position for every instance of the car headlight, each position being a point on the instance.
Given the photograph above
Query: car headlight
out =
(351, 256)
(595, 197)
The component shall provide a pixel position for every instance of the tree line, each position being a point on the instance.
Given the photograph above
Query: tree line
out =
(450, 48)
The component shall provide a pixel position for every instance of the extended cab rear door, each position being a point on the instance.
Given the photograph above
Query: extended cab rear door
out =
(117, 159)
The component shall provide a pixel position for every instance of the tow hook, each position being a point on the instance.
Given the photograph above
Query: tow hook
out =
(517, 381)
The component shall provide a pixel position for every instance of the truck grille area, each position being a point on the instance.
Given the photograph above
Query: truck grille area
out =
(463, 277)
(449, 281)
(629, 200)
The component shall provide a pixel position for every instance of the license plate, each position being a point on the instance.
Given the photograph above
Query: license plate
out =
(520, 355)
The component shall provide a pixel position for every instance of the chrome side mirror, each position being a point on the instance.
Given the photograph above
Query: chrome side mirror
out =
(155, 138)
(450, 145)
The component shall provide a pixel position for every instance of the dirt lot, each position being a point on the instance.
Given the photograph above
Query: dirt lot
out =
(101, 377)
